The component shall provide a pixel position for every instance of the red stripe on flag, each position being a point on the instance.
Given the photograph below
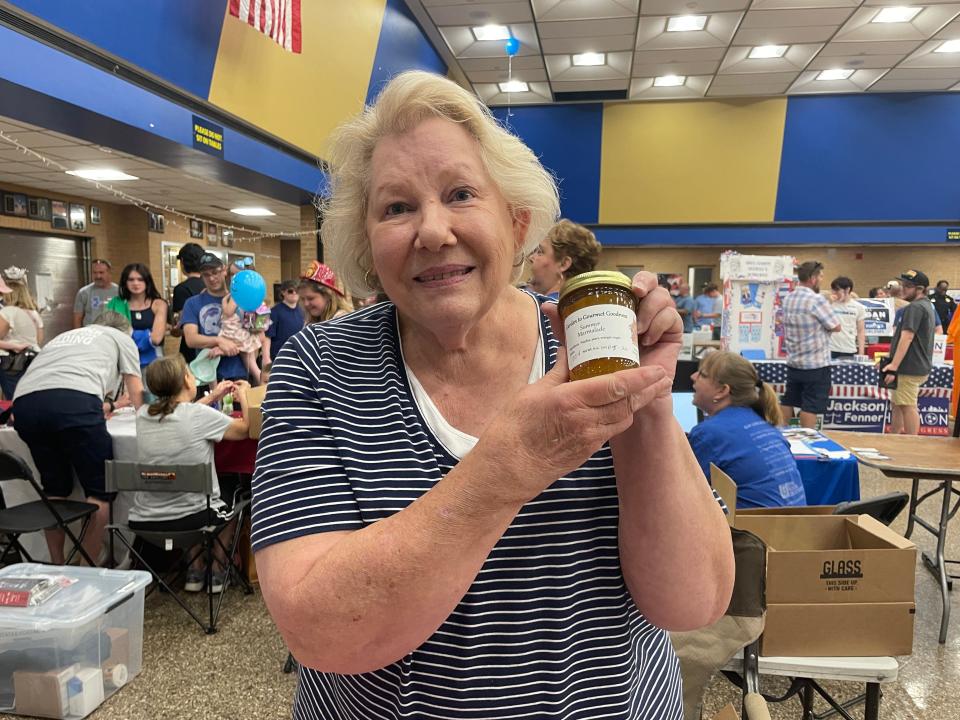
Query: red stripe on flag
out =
(295, 26)
(235, 8)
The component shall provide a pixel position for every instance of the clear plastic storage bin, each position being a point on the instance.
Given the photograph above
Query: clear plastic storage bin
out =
(63, 658)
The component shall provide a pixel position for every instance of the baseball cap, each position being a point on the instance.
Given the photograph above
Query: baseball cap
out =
(322, 274)
(915, 277)
(209, 260)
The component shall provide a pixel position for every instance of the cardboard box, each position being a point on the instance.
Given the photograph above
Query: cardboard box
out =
(253, 399)
(836, 585)
(44, 694)
(838, 630)
(802, 510)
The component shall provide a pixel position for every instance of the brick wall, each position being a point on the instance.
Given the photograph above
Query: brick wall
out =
(876, 266)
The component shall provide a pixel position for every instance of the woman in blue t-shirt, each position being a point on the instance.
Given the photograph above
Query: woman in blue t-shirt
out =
(739, 435)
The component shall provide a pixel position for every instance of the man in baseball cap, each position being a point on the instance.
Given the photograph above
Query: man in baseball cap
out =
(192, 284)
(911, 352)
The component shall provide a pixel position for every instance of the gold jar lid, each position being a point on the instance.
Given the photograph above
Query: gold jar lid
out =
(596, 277)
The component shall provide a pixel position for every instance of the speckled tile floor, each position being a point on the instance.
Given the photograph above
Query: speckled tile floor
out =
(237, 672)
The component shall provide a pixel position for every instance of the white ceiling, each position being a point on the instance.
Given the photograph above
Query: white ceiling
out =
(158, 184)
(821, 35)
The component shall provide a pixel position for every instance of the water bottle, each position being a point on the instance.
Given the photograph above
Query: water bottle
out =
(226, 404)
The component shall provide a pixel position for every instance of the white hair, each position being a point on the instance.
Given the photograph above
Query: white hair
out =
(407, 100)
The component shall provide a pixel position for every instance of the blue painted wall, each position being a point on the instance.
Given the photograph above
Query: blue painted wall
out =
(176, 40)
(402, 46)
(567, 140)
(870, 157)
(772, 234)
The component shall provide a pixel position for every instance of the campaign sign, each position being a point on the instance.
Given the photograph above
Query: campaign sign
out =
(934, 415)
(879, 316)
(860, 414)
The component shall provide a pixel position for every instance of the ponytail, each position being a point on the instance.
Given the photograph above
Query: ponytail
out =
(768, 405)
(165, 379)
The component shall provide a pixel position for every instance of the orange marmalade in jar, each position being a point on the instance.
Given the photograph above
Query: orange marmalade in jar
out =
(599, 313)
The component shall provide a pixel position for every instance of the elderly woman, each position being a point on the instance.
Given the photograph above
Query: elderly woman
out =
(445, 526)
(567, 250)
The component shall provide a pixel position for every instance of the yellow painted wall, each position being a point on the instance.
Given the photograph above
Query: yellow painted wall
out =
(300, 98)
(691, 162)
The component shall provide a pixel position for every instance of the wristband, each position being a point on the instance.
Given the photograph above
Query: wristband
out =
(112, 406)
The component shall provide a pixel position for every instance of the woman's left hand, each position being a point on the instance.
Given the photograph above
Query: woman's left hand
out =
(222, 388)
(659, 325)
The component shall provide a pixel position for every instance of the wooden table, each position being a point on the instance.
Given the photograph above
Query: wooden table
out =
(918, 458)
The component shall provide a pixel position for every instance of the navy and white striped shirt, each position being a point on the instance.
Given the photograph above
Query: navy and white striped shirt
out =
(547, 629)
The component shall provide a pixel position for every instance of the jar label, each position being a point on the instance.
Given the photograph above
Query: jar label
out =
(601, 331)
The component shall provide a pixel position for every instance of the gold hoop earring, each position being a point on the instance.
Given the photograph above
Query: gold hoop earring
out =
(371, 280)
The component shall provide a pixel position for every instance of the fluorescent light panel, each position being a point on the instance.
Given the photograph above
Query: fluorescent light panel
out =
(950, 46)
(491, 32)
(835, 74)
(686, 23)
(102, 175)
(766, 52)
(514, 86)
(590, 59)
(669, 81)
(253, 211)
(896, 15)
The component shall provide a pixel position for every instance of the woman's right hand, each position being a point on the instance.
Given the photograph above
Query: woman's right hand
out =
(553, 426)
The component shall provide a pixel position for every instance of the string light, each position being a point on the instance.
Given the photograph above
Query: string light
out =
(147, 206)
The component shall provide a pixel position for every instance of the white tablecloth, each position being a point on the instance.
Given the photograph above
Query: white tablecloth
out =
(122, 428)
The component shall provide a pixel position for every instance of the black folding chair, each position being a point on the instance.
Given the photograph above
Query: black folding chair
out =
(42, 514)
(136, 477)
(883, 508)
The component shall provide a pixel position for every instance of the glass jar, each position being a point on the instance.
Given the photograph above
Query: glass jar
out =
(599, 313)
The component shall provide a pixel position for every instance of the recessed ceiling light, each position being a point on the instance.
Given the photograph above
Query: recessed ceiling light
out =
(765, 52)
(253, 211)
(686, 23)
(514, 86)
(669, 80)
(836, 74)
(491, 32)
(896, 15)
(950, 46)
(102, 175)
(590, 58)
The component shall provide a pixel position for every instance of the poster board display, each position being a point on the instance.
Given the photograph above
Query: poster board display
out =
(878, 321)
(753, 290)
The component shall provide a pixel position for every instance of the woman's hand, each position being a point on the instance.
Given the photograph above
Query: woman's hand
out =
(240, 388)
(221, 389)
(553, 426)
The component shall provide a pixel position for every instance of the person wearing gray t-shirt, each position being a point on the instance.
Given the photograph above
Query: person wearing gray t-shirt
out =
(59, 411)
(93, 298)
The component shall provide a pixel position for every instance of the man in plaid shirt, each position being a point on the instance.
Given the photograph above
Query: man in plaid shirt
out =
(808, 322)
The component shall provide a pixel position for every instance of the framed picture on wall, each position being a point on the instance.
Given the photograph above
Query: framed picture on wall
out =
(19, 205)
(226, 238)
(58, 214)
(196, 229)
(38, 208)
(161, 224)
(8, 203)
(78, 217)
(94, 215)
(212, 234)
(155, 222)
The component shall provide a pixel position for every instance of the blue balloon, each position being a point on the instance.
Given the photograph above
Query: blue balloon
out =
(512, 46)
(248, 290)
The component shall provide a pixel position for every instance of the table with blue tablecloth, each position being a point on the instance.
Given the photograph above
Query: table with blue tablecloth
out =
(857, 402)
(828, 480)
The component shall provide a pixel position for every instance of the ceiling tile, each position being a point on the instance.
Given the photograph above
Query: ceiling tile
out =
(784, 78)
(644, 89)
(795, 59)
(473, 14)
(652, 33)
(803, 4)
(698, 7)
(869, 48)
(926, 57)
(807, 83)
(586, 28)
(463, 43)
(561, 67)
(607, 43)
(592, 86)
(829, 62)
(757, 89)
(583, 9)
(496, 76)
(927, 22)
(688, 69)
(520, 62)
(811, 17)
(491, 95)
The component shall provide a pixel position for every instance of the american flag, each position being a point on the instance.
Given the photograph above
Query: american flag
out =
(280, 19)
(856, 380)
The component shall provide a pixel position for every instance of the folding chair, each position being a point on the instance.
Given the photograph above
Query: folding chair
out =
(136, 477)
(42, 514)
(884, 508)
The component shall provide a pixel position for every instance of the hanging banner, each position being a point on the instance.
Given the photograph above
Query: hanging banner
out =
(769, 268)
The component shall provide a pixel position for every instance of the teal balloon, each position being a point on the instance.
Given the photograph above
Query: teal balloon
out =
(512, 46)
(248, 290)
